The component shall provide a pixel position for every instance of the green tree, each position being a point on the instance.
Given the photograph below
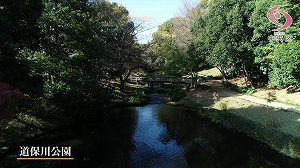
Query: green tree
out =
(119, 34)
(169, 58)
(71, 58)
(285, 65)
(197, 50)
(266, 50)
(222, 37)
(18, 22)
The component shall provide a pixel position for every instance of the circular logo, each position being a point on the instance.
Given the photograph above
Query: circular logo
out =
(274, 14)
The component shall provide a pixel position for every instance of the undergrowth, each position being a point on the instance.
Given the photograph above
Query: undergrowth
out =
(234, 87)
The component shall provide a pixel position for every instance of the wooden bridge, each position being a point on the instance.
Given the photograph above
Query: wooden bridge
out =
(162, 80)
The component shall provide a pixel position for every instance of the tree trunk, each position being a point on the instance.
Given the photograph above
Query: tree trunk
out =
(248, 77)
(223, 73)
(123, 80)
(194, 79)
(122, 85)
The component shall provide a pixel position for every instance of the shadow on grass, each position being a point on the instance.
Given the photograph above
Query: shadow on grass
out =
(284, 136)
(278, 128)
(29, 128)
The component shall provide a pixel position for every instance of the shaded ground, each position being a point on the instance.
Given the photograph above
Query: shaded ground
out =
(249, 107)
(26, 128)
(281, 95)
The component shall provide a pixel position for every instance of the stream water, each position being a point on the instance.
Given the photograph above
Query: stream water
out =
(155, 136)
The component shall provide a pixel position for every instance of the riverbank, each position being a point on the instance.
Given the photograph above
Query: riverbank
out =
(279, 129)
(29, 128)
(36, 121)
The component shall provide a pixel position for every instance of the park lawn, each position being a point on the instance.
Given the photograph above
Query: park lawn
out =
(280, 129)
(213, 72)
(28, 127)
(286, 121)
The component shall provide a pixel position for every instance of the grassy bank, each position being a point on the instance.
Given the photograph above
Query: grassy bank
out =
(234, 87)
(279, 139)
(174, 95)
(132, 99)
(29, 126)
(133, 95)
(275, 127)
(282, 96)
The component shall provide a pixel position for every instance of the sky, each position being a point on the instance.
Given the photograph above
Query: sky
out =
(158, 10)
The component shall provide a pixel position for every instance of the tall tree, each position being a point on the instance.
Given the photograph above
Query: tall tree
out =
(71, 58)
(120, 38)
(169, 58)
(188, 13)
(18, 24)
(266, 51)
(223, 36)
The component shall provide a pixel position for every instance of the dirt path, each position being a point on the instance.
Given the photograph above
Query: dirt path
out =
(249, 107)
(216, 85)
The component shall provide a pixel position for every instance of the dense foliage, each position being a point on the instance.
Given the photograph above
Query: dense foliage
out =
(168, 58)
(67, 51)
(269, 53)
(8, 95)
(285, 65)
(233, 36)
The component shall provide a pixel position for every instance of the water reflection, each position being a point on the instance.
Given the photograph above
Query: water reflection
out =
(150, 151)
(157, 135)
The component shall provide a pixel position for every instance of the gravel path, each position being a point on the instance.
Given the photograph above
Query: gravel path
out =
(286, 117)
(216, 85)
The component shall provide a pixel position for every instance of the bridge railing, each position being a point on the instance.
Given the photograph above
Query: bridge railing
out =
(171, 79)
(138, 79)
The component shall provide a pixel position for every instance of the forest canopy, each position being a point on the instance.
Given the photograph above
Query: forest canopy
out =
(233, 36)
(70, 51)
(67, 51)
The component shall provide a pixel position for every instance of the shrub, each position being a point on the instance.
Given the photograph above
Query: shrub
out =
(231, 86)
(176, 95)
(77, 97)
(146, 90)
(234, 87)
(133, 100)
(160, 90)
(248, 90)
(215, 117)
(9, 96)
(285, 65)
(222, 105)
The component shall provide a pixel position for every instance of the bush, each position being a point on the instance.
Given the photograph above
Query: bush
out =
(234, 87)
(160, 90)
(215, 117)
(285, 65)
(76, 97)
(9, 96)
(231, 86)
(222, 105)
(146, 90)
(248, 90)
(133, 100)
(176, 95)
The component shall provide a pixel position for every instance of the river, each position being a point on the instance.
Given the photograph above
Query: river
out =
(155, 136)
